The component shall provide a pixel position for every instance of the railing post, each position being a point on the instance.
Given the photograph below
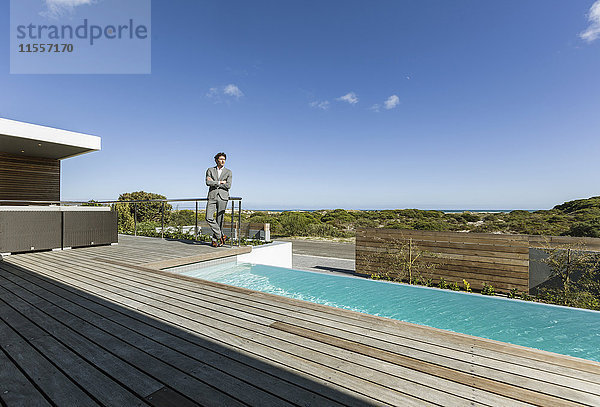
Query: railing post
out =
(135, 218)
(231, 224)
(162, 221)
(116, 215)
(239, 236)
(196, 229)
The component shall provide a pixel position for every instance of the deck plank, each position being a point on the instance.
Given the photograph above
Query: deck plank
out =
(224, 293)
(181, 331)
(141, 371)
(181, 358)
(227, 329)
(85, 362)
(247, 367)
(528, 355)
(234, 341)
(460, 365)
(450, 387)
(15, 388)
(550, 374)
(409, 332)
(48, 378)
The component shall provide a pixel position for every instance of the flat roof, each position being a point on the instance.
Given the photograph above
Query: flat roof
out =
(41, 141)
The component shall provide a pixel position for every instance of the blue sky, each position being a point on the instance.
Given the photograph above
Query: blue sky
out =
(340, 104)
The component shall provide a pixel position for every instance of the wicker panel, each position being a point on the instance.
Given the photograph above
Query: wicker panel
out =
(26, 231)
(89, 228)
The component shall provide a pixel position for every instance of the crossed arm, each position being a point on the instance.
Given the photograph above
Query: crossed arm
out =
(224, 184)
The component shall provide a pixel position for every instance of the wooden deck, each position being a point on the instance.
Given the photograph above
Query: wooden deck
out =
(103, 326)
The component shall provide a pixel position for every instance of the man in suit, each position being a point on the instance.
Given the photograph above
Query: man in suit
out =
(218, 180)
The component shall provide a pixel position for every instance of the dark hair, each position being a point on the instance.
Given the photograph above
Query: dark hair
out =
(219, 155)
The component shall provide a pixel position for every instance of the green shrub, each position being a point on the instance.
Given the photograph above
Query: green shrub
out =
(327, 230)
(185, 217)
(426, 224)
(338, 217)
(525, 296)
(466, 286)
(487, 289)
(585, 229)
(579, 204)
(470, 217)
(295, 223)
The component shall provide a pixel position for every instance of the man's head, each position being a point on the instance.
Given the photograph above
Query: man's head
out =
(220, 159)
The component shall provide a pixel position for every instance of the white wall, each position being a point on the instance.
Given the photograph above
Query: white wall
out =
(277, 254)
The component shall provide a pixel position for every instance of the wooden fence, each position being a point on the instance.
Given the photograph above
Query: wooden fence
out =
(590, 243)
(500, 260)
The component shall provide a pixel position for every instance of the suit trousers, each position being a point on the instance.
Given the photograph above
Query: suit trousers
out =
(215, 211)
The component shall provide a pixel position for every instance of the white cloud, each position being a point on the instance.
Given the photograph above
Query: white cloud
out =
(593, 31)
(388, 104)
(57, 8)
(349, 97)
(224, 93)
(391, 102)
(233, 90)
(212, 92)
(323, 105)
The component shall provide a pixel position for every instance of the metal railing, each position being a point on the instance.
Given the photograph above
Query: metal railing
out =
(162, 201)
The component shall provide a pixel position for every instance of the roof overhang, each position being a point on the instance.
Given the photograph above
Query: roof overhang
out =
(40, 141)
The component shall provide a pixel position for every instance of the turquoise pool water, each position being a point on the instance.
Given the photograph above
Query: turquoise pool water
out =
(557, 329)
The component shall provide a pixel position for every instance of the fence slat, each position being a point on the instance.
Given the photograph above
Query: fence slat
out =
(500, 260)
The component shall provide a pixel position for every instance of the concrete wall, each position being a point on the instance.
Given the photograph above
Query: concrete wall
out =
(277, 254)
(539, 272)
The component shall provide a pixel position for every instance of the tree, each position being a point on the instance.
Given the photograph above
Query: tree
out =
(147, 211)
(124, 216)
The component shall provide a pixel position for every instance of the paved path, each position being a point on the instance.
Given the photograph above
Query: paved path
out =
(322, 256)
(323, 264)
(322, 249)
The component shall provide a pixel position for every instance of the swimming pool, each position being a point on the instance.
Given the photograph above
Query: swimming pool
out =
(564, 330)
